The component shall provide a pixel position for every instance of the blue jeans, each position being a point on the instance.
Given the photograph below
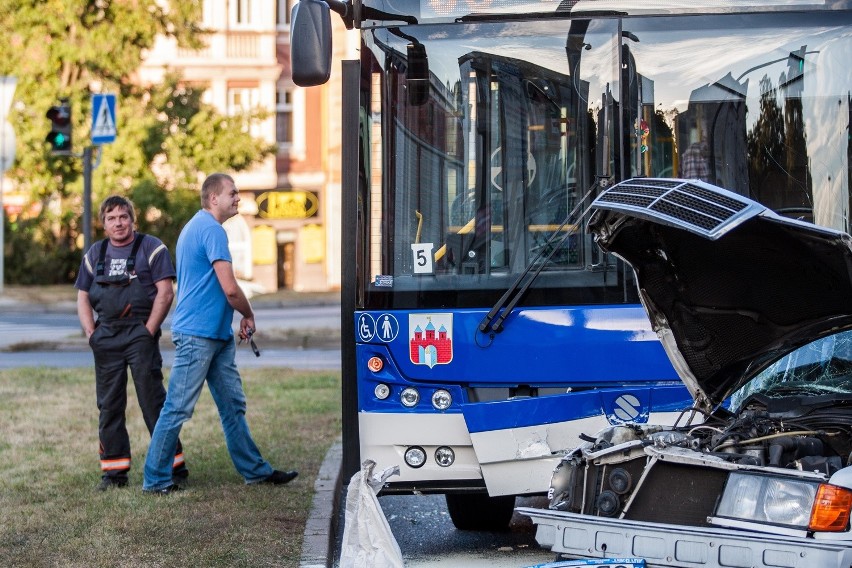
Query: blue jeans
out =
(197, 359)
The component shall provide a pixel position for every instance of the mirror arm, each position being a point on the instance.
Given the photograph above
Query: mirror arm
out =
(347, 13)
(342, 8)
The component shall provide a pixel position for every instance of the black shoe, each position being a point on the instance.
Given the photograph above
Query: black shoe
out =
(281, 477)
(181, 478)
(164, 491)
(110, 482)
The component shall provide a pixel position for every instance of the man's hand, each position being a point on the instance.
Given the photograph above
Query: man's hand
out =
(162, 304)
(84, 312)
(247, 328)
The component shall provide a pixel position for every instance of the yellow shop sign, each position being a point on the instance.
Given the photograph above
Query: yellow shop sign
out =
(287, 204)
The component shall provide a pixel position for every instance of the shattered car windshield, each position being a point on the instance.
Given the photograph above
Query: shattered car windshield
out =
(818, 368)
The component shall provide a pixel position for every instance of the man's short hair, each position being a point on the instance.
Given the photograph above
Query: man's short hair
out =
(213, 185)
(116, 201)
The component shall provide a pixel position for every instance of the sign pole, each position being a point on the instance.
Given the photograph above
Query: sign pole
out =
(87, 198)
(2, 211)
(7, 156)
(103, 132)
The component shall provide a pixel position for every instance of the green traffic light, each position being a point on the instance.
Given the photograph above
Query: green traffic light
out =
(59, 136)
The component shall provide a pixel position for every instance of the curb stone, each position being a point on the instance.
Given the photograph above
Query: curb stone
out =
(321, 526)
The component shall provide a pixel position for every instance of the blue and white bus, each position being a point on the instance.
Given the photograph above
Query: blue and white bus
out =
(484, 330)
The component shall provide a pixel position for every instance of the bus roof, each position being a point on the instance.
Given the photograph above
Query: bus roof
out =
(384, 12)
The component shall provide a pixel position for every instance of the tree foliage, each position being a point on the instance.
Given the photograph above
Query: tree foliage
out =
(168, 138)
(766, 142)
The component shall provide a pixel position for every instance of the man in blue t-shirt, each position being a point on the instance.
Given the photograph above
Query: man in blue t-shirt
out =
(207, 295)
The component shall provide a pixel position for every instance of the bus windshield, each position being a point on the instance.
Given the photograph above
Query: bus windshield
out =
(490, 139)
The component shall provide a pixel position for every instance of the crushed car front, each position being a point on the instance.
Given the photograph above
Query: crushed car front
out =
(755, 311)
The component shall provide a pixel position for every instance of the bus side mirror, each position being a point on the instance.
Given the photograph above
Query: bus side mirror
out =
(417, 75)
(310, 43)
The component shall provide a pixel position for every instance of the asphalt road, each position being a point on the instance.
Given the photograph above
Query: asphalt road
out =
(427, 538)
(54, 339)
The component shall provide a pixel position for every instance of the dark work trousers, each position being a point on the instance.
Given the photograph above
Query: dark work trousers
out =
(120, 340)
(117, 345)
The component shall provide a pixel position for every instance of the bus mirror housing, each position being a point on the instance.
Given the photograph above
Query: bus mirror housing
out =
(310, 43)
(417, 75)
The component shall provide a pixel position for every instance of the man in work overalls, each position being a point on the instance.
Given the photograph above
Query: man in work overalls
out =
(127, 280)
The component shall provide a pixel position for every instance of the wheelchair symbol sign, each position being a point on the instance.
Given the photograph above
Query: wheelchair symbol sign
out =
(366, 327)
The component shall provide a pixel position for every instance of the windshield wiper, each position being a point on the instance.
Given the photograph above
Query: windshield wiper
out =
(802, 389)
(494, 319)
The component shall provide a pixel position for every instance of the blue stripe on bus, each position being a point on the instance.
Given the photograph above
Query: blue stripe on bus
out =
(608, 355)
(522, 412)
(589, 346)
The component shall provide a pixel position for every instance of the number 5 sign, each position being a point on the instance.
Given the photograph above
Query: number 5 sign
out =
(422, 254)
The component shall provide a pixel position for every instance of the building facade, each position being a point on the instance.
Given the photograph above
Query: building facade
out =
(288, 232)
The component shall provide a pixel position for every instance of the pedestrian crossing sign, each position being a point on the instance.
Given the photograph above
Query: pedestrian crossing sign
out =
(103, 118)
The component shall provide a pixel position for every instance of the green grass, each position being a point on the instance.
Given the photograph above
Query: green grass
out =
(51, 515)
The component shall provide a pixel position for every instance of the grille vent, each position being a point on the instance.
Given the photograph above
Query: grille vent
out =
(691, 204)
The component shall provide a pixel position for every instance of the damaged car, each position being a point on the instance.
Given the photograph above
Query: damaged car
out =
(755, 312)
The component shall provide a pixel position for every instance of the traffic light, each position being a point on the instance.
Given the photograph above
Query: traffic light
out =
(59, 137)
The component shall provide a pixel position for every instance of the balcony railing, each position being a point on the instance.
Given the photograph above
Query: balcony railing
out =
(234, 45)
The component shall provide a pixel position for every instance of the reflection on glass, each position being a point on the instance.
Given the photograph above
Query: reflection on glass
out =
(521, 120)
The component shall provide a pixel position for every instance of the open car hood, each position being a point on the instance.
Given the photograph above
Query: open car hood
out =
(729, 286)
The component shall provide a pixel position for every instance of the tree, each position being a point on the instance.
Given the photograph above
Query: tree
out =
(168, 137)
(765, 144)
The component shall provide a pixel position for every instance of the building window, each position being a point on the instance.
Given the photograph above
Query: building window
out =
(241, 12)
(282, 14)
(241, 101)
(284, 118)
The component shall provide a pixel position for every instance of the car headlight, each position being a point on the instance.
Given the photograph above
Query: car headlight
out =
(773, 500)
(797, 503)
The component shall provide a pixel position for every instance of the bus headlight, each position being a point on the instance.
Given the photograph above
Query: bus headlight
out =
(415, 456)
(773, 500)
(445, 456)
(382, 391)
(441, 399)
(409, 397)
